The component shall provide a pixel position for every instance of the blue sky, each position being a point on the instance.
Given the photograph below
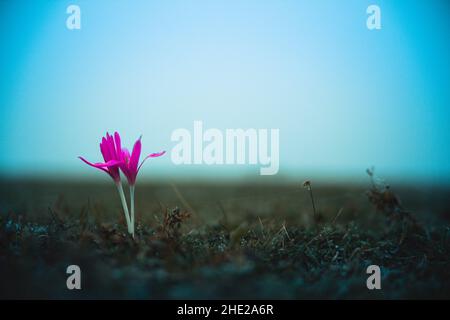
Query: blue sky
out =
(343, 97)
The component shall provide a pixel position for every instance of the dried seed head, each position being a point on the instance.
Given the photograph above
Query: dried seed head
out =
(307, 184)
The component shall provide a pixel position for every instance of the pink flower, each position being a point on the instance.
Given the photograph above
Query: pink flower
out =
(129, 163)
(115, 157)
(111, 150)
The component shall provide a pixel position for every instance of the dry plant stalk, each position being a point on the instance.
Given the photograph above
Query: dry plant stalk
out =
(172, 222)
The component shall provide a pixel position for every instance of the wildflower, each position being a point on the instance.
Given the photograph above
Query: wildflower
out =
(129, 164)
(111, 151)
(116, 157)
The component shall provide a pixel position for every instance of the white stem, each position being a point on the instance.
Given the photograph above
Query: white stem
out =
(124, 205)
(132, 208)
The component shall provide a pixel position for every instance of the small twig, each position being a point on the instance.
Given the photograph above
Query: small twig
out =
(337, 215)
(225, 215)
(354, 253)
(262, 227)
(285, 230)
(335, 256)
(183, 200)
(307, 185)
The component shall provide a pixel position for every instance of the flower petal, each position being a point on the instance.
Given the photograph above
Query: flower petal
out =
(95, 165)
(111, 146)
(111, 163)
(125, 155)
(105, 150)
(135, 155)
(152, 155)
(118, 145)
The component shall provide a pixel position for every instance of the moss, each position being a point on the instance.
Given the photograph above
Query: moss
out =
(230, 252)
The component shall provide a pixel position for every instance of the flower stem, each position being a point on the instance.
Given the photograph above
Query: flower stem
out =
(124, 205)
(312, 201)
(132, 208)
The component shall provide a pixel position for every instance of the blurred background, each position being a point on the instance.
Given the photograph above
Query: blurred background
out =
(344, 97)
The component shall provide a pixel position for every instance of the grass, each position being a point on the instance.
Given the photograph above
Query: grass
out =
(224, 241)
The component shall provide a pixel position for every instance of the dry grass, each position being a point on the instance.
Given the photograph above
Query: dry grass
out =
(223, 241)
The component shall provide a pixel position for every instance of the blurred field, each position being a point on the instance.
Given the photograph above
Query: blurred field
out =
(233, 240)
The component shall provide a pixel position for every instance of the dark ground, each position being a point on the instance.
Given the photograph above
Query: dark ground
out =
(226, 241)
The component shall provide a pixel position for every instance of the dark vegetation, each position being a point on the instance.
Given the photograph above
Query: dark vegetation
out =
(225, 241)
